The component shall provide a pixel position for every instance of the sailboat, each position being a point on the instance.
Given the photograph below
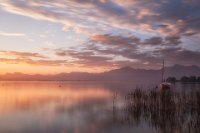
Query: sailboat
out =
(164, 85)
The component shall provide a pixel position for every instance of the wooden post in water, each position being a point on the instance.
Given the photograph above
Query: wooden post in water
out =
(114, 107)
(163, 65)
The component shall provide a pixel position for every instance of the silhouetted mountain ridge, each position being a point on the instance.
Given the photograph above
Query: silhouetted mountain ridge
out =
(122, 74)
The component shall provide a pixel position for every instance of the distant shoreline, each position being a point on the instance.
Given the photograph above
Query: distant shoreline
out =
(187, 82)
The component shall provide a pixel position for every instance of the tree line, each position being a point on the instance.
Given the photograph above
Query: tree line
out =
(184, 79)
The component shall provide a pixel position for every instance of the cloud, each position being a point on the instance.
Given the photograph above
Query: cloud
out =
(34, 62)
(16, 57)
(153, 41)
(147, 53)
(85, 58)
(131, 41)
(156, 29)
(115, 40)
(71, 13)
(119, 50)
(177, 55)
(12, 34)
(21, 54)
(172, 17)
(173, 40)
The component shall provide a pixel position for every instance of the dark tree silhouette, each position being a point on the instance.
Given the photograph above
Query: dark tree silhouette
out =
(184, 79)
(191, 79)
(171, 79)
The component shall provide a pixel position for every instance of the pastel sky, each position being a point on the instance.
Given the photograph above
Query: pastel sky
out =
(55, 36)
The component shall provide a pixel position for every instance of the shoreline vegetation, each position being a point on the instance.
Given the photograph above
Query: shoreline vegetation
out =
(184, 79)
(166, 111)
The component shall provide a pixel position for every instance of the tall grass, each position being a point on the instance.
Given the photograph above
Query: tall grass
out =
(166, 111)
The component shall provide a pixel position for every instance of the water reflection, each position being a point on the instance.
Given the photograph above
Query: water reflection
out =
(50, 108)
(31, 97)
(166, 111)
(94, 107)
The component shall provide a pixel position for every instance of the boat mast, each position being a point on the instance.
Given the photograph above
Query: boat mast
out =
(163, 65)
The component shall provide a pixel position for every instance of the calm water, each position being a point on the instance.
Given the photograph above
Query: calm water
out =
(83, 107)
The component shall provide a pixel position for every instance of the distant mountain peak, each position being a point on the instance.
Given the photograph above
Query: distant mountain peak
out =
(126, 73)
(125, 69)
(183, 66)
(177, 65)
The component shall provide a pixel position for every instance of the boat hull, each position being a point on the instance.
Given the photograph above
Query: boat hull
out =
(165, 86)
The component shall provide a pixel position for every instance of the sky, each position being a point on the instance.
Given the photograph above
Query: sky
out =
(56, 36)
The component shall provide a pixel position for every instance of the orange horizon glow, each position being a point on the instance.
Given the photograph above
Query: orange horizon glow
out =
(68, 38)
(45, 70)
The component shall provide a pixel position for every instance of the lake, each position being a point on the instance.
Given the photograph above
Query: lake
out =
(95, 107)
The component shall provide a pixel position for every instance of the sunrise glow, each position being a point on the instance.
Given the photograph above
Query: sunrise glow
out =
(48, 37)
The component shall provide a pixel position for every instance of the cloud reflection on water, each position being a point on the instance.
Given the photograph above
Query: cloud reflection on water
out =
(82, 107)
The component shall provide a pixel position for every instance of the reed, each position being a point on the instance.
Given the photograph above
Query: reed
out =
(167, 111)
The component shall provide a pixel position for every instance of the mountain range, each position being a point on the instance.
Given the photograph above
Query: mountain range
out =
(121, 74)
